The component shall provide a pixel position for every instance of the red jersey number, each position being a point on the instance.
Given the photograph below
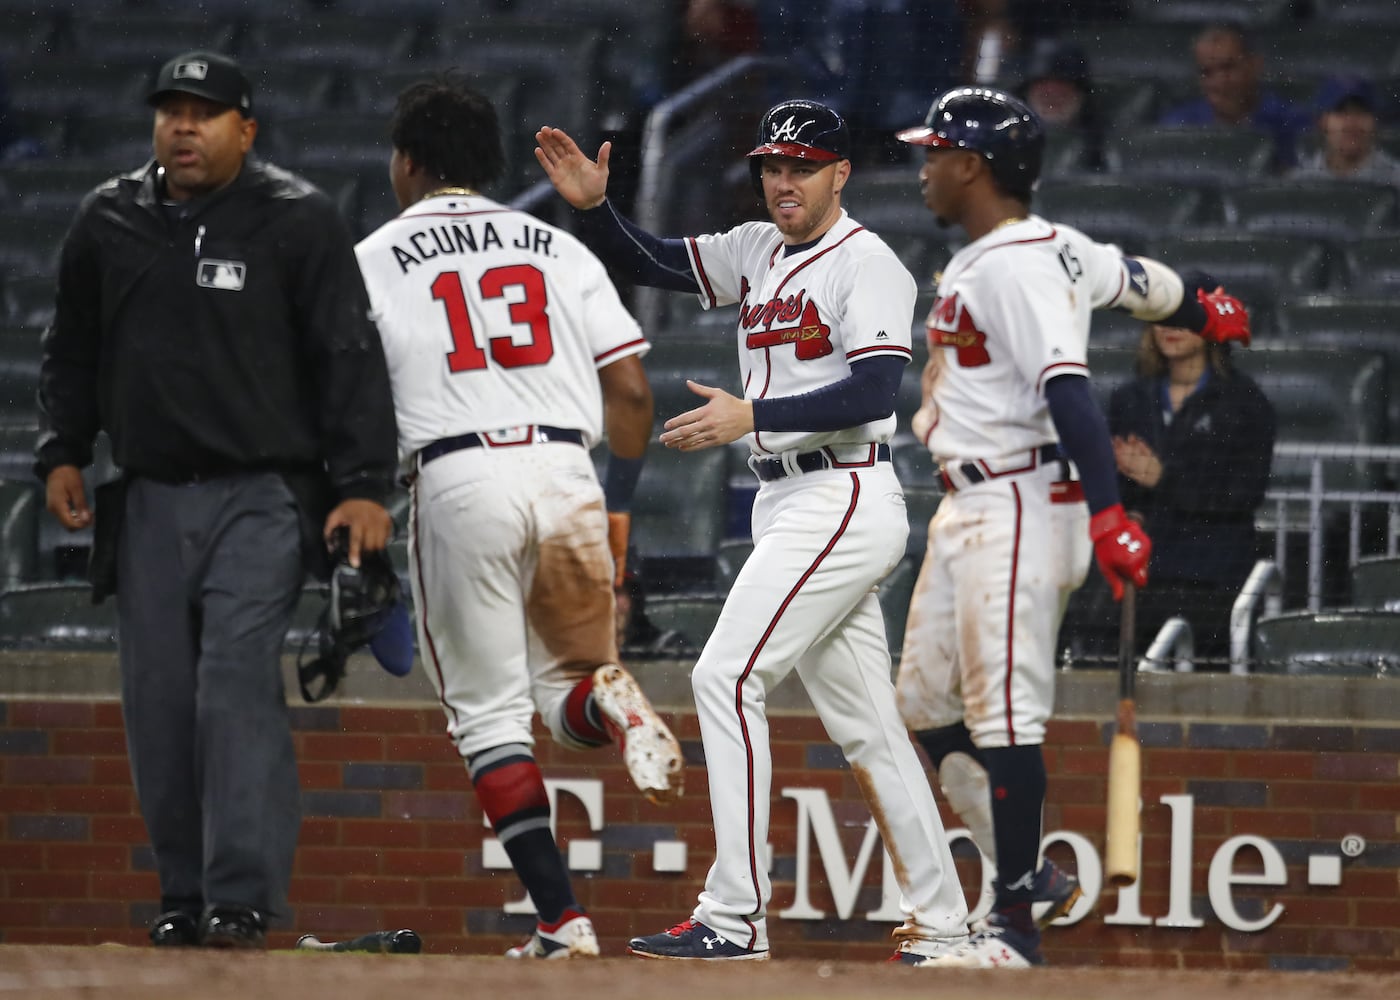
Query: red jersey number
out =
(530, 311)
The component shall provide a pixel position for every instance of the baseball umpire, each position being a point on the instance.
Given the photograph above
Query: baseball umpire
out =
(1008, 415)
(211, 319)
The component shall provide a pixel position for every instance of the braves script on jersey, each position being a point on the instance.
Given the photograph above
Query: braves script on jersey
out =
(805, 317)
(450, 265)
(994, 351)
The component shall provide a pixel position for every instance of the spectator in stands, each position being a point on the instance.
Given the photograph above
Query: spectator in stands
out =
(1058, 86)
(211, 318)
(1194, 440)
(1231, 95)
(1346, 124)
(638, 637)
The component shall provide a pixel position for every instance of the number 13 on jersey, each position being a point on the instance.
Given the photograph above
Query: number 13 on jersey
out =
(529, 312)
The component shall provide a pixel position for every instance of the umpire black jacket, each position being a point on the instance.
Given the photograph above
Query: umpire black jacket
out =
(234, 338)
(1216, 456)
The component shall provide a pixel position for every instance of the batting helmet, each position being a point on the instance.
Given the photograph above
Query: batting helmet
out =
(991, 122)
(804, 129)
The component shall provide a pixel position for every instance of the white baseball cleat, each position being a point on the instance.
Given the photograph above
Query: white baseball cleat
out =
(997, 945)
(912, 948)
(652, 755)
(571, 937)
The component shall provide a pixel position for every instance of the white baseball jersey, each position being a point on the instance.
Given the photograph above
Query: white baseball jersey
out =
(1008, 544)
(494, 324)
(994, 349)
(805, 599)
(452, 270)
(804, 318)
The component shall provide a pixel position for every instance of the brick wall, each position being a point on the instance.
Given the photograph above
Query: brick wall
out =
(392, 837)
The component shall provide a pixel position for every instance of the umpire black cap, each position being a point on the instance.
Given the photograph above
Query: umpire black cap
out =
(210, 75)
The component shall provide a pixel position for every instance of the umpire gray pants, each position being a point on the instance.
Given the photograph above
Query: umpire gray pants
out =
(208, 578)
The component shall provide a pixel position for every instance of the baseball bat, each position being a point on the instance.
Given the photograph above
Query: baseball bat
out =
(400, 942)
(1124, 757)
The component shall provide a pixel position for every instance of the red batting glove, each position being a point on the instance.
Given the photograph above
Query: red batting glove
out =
(1226, 318)
(1121, 548)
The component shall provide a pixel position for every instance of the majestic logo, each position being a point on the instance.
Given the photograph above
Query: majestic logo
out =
(951, 325)
(223, 274)
(788, 131)
(193, 70)
(810, 334)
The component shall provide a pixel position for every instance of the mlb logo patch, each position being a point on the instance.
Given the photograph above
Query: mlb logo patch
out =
(223, 274)
(195, 69)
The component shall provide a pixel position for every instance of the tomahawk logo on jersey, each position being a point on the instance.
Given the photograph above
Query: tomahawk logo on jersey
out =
(950, 325)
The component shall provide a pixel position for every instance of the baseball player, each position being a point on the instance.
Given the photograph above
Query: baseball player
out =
(1006, 409)
(509, 353)
(824, 316)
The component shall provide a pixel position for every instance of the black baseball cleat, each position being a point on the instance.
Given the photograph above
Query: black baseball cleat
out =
(692, 940)
(232, 927)
(175, 929)
(1057, 887)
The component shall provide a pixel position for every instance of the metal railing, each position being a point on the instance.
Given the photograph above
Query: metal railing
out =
(1317, 498)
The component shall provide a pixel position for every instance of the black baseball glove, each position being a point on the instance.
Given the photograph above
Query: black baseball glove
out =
(360, 604)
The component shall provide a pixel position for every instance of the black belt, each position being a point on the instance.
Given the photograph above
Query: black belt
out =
(1045, 454)
(538, 435)
(769, 469)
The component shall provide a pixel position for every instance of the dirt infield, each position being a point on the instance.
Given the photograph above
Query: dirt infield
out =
(45, 972)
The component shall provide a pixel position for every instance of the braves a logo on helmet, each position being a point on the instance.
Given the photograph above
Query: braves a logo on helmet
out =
(951, 325)
(788, 130)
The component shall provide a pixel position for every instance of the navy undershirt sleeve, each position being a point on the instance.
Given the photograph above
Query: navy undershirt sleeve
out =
(867, 394)
(1084, 437)
(634, 253)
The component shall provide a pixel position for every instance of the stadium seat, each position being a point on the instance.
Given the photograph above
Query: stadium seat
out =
(1375, 583)
(1063, 156)
(732, 554)
(692, 615)
(56, 86)
(1125, 103)
(1317, 49)
(25, 31)
(351, 42)
(1371, 13)
(1202, 12)
(1112, 328)
(1350, 327)
(1325, 210)
(122, 141)
(1371, 267)
(56, 616)
(21, 506)
(1128, 213)
(561, 67)
(1342, 642)
(1322, 396)
(289, 88)
(54, 188)
(134, 36)
(1133, 49)
(1110, 367)
(679, 506)
(1262, 271)
(1194, 155)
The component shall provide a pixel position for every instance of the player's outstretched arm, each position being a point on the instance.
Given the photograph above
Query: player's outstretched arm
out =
(1156, 293)
(582, 182)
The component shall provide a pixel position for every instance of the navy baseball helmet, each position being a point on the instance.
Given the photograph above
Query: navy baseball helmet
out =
(991, 122)
(803, 129)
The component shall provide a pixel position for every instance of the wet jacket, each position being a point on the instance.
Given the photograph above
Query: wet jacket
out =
(234, 337)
